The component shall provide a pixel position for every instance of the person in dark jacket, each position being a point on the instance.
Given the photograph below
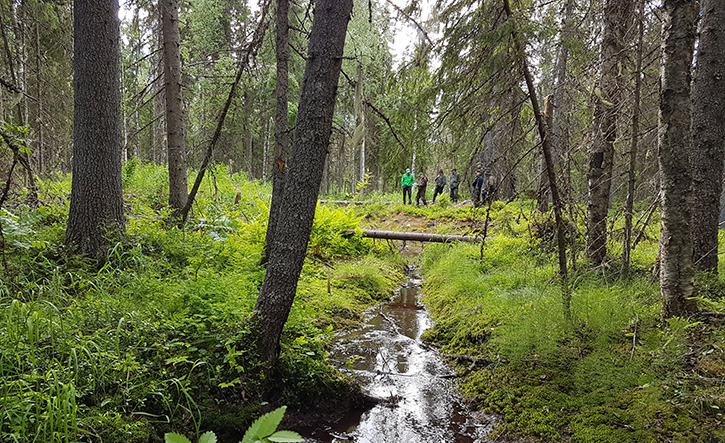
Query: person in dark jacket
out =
(422, 184)
(490, 186)
(440, 185)
(476, 190)
(453, 185)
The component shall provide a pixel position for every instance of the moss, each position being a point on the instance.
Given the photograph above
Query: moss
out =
(112, 427)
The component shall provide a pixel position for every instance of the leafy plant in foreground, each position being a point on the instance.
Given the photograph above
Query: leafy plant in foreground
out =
(263, 430)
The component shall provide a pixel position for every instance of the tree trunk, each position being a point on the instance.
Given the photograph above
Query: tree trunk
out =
(617, 17)
(546, 150)
(562, 104)
(309, 149)
(674, 144)
(281, 124)
(96, 207)
(708, 112)
(360, 123)
(631, 173)
(414, 236)
(175, 128)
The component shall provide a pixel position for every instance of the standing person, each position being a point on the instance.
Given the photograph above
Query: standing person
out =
(440, 184)
(407, 183)
(476, 189)
(422, 184)
(453, 186)
(490, 187)
(479, 168)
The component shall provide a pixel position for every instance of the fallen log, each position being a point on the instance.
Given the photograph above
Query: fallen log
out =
(414, 236)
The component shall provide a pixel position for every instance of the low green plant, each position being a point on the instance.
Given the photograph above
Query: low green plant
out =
(263, 430)
(616, 372)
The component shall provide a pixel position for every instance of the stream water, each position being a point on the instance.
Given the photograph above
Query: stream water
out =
(390, 361)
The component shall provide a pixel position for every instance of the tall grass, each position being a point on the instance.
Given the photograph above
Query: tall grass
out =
(157, 337)
(615, 372)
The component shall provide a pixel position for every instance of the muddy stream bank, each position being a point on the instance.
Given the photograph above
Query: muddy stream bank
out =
(391, 362)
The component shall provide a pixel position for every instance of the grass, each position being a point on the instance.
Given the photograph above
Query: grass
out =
(156, 339)
(616, 373)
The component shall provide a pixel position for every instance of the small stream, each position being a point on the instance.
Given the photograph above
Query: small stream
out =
(391, 362)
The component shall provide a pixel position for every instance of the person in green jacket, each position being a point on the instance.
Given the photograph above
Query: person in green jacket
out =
(407, 183)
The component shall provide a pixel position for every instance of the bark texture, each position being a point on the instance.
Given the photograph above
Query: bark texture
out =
(546, 148)
(633, 147)
(309, 149)
(96, 207)
(617, 20)
(281, 122)
(674, 144)
(175, 127)
(708, 114)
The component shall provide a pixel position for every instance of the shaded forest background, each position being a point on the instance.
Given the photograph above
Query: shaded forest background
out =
(453, 99)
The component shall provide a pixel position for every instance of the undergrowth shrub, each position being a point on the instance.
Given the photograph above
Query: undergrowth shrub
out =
(157, 337)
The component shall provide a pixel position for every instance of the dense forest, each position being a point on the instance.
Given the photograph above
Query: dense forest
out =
(167, 267)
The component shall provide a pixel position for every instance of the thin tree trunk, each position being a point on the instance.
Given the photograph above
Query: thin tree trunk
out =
(281, 123)
(546, 148)
(617, 16)
(675, 142)
(39, 102)
(631, 173)
(251, 48)
(359, 97)
(708, 113)
(175, 127)
(309, 149)
(562, 104)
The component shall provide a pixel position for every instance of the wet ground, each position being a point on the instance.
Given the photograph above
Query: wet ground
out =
(422, 404)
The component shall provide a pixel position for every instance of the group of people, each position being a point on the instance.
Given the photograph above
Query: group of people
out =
(483, 189)
(408, 182)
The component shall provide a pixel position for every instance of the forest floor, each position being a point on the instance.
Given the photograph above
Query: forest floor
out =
(617, 373)
(157, 337)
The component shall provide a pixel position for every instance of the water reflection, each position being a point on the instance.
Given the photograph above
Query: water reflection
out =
(391, 362)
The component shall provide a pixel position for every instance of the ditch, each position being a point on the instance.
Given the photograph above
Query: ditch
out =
(421, 402)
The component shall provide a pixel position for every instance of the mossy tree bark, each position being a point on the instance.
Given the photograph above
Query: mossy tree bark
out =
(674, 144)
(617, 20)
(309, 149)
(708, 112)
(175, 128)
(96, 207)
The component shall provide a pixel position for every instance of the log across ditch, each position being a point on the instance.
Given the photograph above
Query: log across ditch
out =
(414, 236)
